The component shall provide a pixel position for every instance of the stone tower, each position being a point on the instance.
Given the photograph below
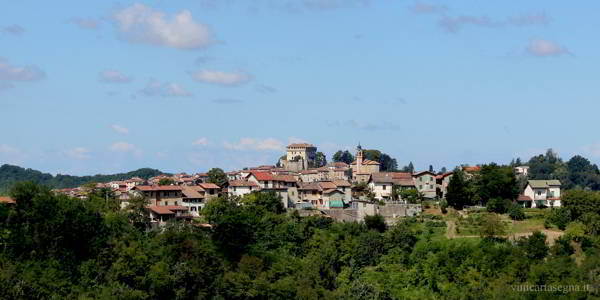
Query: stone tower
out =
(359, 158)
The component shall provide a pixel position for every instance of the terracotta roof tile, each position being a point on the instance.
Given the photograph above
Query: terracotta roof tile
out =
(242, 183)
(157, 188)
(190, 192)
(524, 198)
(7, 200)
(263, 176)
(208, 186)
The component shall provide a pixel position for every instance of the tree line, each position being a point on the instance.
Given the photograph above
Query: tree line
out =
(10, 175)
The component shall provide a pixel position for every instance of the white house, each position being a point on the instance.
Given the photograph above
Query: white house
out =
(382, 183)
(522, 170)
(543, 193)
(193, 199)
(241, 187)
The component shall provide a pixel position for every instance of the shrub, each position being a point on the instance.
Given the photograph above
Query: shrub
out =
(575, 231)
(491, 226)
(435, 224)
(444, 206)
(376, 222)
(534, 246)
(516, 212)
(562, 247)
(499, 206)
(560, 217)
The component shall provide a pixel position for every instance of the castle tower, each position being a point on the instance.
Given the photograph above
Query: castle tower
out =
(359, 158)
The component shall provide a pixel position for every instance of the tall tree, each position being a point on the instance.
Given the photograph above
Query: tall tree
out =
(217, 176)
(410, 168)
(343, 156)
(496, 182)
(320, 160)
(458, 194)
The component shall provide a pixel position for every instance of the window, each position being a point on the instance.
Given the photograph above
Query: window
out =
(420, 186)
(384, 186)
(431, 186)
(176, 203)
(234, 189)
(420, 178)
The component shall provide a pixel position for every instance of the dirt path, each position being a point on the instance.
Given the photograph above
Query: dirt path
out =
(450, 229)
(551, 235)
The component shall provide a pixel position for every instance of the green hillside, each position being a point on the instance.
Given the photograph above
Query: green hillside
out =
(10, 174)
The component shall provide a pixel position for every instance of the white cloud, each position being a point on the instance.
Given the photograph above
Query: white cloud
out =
(113, 76)
(9, 154)
(222, 78)
(9, 72)
(246, 143)
(78, 153)
(541, 47)
(166, 89)
(201, 142)
(6, 149)
(120, 129)
(125, 147)
(455, 24)
(13, 29)
(86, 23)
(141, 24)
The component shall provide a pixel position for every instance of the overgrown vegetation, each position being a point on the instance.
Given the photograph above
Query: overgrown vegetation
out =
(58, 247)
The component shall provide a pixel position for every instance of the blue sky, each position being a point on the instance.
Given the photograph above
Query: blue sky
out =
(92, 87)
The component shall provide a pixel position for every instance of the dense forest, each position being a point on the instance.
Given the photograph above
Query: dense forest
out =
(53, 246)
(11, 174)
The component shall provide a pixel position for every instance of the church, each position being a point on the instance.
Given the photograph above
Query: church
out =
(363, 168)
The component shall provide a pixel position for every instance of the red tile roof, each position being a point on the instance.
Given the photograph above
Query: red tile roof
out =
(472, 169)
(161, 210)
(423, 173)
(242, 183)
(192, 192)
(326, 185)
(7, 200)
(442, 176)
(209, 186)
(263, 176)
(342, 183)
(147, 188)
(524, 198)
(339, 164)
(285, 178)
(367, 162)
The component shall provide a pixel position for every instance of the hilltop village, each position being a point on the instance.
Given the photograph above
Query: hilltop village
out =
(346, 192)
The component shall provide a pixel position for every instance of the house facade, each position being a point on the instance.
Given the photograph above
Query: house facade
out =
(543, 193)
(426, 184)
(241, 187)
(158, 195)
